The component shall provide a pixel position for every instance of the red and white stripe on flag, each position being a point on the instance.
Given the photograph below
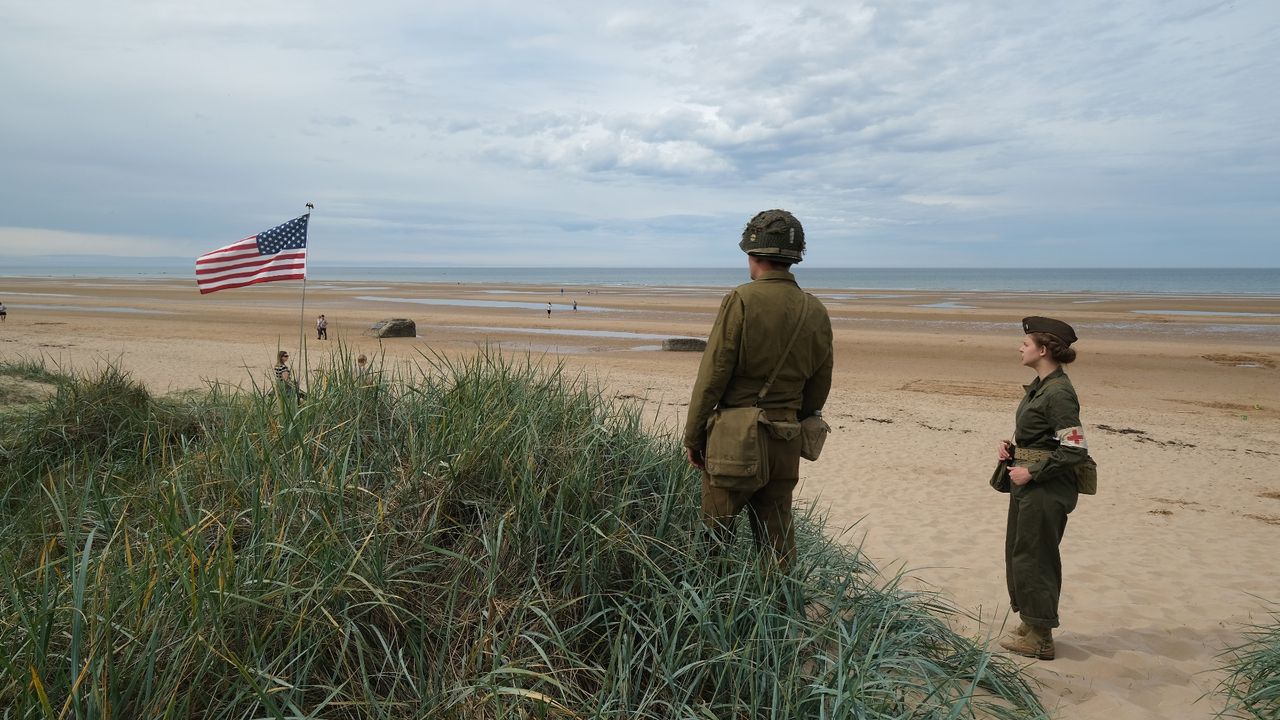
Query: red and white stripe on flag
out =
(241, 263)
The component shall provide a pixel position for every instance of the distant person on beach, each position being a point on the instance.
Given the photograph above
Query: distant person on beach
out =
(322, 328)
(1047, 446)
(548, 309)
(767, 366)
(284, 376)
(575, 306)
(4, 313)
(282, 365)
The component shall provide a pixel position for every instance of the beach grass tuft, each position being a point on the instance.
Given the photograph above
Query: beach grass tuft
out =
(1252, 687)
(24, 381)
(484, 537)
(33, 369)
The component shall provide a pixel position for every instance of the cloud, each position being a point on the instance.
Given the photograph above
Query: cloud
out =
(36, 242)
(582, 128)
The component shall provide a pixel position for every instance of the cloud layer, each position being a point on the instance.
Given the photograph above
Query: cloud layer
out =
(903, 133)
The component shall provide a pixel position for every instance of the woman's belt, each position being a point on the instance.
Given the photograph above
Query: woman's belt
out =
(1030, 455)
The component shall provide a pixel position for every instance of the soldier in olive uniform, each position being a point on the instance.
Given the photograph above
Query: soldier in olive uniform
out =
(1048, 443)
(751, 332)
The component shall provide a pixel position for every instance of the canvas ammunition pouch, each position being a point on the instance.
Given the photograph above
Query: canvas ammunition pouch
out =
(782, 424)
(1087, 477)
(813, 434)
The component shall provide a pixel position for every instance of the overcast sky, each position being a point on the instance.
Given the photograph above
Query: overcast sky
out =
(1094, 134)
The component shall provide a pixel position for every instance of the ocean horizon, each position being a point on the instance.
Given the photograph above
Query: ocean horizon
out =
(1158, 281)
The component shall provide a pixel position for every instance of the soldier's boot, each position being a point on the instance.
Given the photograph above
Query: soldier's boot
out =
(1036, 643)
(1017, 633)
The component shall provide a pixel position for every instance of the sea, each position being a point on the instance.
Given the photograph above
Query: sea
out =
(1259, 282)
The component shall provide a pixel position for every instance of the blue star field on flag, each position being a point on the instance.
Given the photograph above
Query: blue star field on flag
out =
(289, 236)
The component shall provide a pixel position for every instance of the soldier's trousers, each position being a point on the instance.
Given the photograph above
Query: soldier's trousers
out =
(1032, 565)
(769, 508)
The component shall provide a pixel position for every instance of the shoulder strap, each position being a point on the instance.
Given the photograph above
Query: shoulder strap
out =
(804, 312)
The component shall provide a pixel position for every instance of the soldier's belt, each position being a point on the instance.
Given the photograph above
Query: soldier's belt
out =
(1030, 455)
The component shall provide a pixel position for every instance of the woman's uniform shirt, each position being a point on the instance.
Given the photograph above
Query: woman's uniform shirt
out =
(1048, 419)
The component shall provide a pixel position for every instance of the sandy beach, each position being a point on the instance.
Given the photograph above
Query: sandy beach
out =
(1180, 401)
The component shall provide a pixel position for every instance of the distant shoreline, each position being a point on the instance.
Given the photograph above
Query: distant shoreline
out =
(632, 311)
(1189, 283)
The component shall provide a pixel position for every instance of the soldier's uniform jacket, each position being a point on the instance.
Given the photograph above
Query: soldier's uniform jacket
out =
(1049, 419)
(755, 322)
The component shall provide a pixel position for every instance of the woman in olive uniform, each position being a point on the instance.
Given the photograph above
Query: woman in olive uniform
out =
(1047, 445)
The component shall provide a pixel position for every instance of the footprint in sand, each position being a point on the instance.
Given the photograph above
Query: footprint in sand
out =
(1246, 360)
(1268, 519)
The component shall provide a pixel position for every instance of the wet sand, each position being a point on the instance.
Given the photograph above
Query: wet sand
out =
(1180, 398)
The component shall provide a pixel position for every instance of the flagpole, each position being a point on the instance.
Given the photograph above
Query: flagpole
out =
(302, 315)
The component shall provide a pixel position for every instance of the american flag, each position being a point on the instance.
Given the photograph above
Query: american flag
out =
(276, 254)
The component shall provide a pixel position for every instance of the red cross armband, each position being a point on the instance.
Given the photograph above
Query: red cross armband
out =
(1072, 437)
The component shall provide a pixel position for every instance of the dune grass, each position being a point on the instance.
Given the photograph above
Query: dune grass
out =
(33, 369)
(24, 381)
(1252, 687)
(480, 538)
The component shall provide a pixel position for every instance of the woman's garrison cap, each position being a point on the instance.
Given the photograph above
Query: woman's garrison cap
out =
(1037, 324)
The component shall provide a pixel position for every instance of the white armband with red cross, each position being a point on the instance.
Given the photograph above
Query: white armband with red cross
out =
(1072, 437)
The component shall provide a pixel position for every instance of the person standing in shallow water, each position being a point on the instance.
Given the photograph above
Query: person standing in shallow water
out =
(1048, 443)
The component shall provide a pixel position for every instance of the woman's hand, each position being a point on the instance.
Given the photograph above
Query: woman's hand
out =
(1019, 475)
(1002, 450)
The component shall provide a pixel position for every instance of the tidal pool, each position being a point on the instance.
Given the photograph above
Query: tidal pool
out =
(614, 334)
(90, 308)
(1205, 313)
(460, 302)
(948, 305)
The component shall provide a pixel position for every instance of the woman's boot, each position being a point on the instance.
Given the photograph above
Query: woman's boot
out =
(1036, 643)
